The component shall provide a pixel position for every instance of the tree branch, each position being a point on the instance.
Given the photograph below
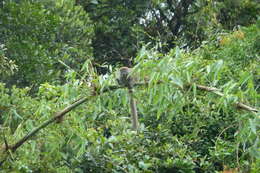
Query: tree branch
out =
(217, 92)
(46, 123)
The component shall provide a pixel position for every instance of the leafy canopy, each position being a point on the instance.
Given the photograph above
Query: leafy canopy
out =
(39, 35)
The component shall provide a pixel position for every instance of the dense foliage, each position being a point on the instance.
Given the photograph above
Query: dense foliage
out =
(122, 27)
(198, 103)
(40, 35)
(7, 66)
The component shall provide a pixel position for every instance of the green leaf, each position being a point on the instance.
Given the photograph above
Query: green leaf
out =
(17, 115)
(252, 125)
(177, 81)
(143, 165)
(177, 52)
(94, 1)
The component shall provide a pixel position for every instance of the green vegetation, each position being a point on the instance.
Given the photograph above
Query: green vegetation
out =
(38, 35)
(197, 93)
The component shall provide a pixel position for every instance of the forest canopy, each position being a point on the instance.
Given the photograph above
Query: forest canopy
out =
(196, 86)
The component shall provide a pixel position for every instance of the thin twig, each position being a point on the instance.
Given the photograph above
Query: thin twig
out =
(6, 143)
(225, 129)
